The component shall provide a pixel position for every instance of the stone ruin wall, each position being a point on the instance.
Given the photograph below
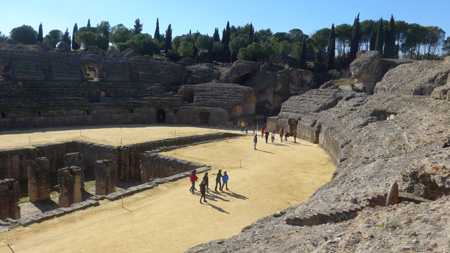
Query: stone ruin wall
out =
(14, 162)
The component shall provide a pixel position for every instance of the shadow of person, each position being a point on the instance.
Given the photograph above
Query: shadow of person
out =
(218, 208)
(235, 195)
(265, 151)
(215, 197)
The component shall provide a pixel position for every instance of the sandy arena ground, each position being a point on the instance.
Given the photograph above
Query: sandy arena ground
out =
(169, 218)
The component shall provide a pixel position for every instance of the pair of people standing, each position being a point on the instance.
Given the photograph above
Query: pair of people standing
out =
(224, 178)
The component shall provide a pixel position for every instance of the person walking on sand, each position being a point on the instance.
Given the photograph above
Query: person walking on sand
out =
(262, 132)
(206, 180)
(203, 191)
(272, 136)
(286, 135)
(246, 128)
(267, 135)
(225, 181)
(295, 136)
(281, 134)
(193, 178)
(218, 178)
(255, 140)
(242, 126)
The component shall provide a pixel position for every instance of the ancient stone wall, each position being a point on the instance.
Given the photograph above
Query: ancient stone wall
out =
(105, 177)
(153, 166)
(38, 172)
(75, 159)
(70, 184)
(9, 199)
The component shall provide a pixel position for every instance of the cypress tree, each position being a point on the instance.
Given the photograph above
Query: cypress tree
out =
(210, 51)
(40, 34)
(75, 45)
(356, 36)
(66, 37)
(330, 49)
(168, 42)
(389, 46)
(251, 33)
(228, 36)
(216, 36)
(157, 35)
(89, 23)
(302, 56)
(373, 37)
(380, 37)
(137, 26)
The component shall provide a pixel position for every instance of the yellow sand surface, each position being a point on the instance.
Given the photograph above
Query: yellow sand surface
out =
(169, 218)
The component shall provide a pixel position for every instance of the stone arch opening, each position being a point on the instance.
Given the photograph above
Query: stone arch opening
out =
(382, 115)
(88, 112)
(5, 74)
(161, 116)
(204, 117)
(3, 115)
(293, 123)
(39, 113)
(188, 96)
(242, 79)
(249, 105)
(91, 71)
(131, 111)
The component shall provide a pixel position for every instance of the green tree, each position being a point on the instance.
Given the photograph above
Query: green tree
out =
(40, 36)
(75, 45)
(53, 37)
(89, 23)
(120, 34)
(237, 43)
(186, 49)
(356, 36)
(373, 36)
(446, 45)
(343, 35)
(379, 43)
(24, 34)
(202, 42)
(168, 40)
(319, 41)
(433, 40)
(389, 46)
(144, 44)
(331, 49)
(66, 38)
(251, 33)
(210, 51)
(157, 35)
(302, 55)
(218, 49)
(3, 38)
(137, 26)
(216, 36)
(104, 28)
(91, 36)
(366, 31)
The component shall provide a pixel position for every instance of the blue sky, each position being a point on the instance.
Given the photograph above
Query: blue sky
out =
(204, 16)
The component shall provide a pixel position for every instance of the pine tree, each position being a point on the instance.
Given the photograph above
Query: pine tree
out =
(157, 34)
(168, 42)
(66, 37)
(389, 46)
(302, 56)
(75, 45)
(373, 37)
(89, 23)
(40, 34)
(331, 49)
(227, 37)
(356, 36)
(216, 36)
(380, 37)
(137, 26)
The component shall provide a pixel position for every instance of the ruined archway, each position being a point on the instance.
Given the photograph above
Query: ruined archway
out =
(188, 96)
(90, 72)
(204, 118)
(161, 116)
(293, 123)
(249, 105)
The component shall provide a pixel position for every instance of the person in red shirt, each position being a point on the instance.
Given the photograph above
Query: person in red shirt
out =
(262, 132)
(193, 178)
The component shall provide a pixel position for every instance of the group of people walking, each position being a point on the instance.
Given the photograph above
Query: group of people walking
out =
(265, 134)
(221, 181)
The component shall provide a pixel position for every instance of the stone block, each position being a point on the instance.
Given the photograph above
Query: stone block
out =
(70, 183)
(9, 199)
(105, 177)
(75, 159)
(38, 173)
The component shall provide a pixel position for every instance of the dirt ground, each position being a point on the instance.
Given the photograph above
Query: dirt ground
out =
(169, 218)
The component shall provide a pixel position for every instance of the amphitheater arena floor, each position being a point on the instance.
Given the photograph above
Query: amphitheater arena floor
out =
(168, 218)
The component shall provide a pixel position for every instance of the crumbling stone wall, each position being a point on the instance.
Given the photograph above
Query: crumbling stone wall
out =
(158, 166)
(70, 184)
(38, 172)
(105, 177)
(9, 199)
(75, 159)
